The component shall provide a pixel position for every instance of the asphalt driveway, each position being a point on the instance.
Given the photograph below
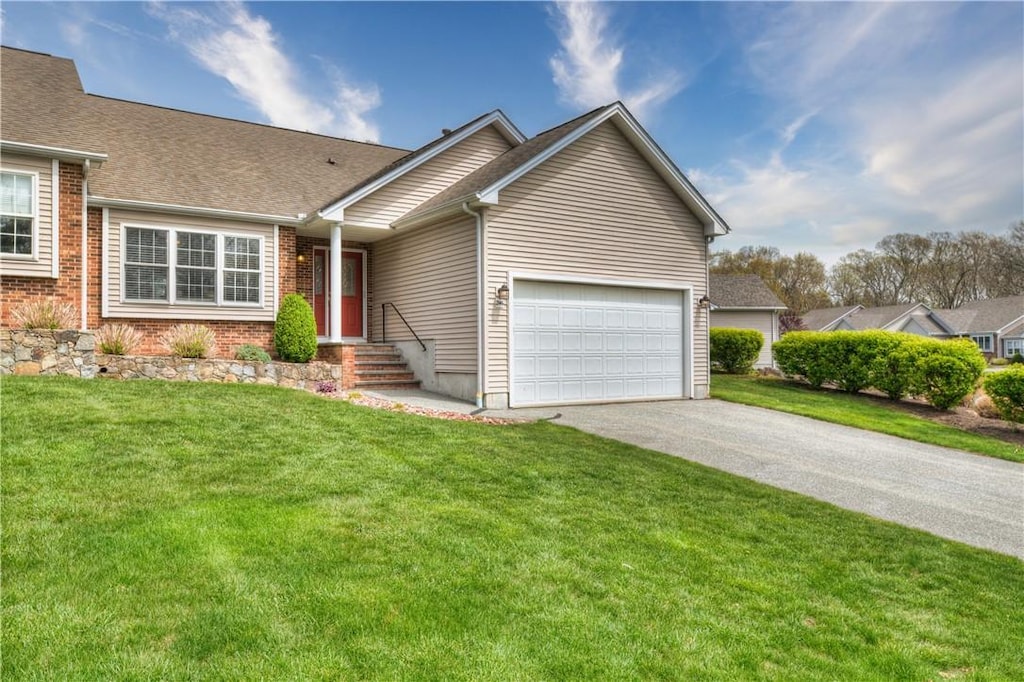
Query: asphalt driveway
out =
(974, 499)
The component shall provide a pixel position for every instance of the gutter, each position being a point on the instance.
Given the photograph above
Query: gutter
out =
(481, 299)
(108, 202)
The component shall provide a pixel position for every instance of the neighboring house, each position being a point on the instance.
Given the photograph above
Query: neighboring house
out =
(746, 302)
(912, 318)
(995, 324)
(557, 269)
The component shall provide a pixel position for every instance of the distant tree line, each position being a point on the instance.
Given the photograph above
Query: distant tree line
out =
(940, 269)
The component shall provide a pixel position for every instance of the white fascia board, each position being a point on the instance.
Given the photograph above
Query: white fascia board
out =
(59, 153)
(334, 212)
(714, 225)
(131, 204)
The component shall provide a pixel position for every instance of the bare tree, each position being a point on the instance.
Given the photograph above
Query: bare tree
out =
(799, 281)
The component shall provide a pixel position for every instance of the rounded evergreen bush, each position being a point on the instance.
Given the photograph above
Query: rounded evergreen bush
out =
(735, 350)
(1006, 389)
(947, 371)
(295, 330)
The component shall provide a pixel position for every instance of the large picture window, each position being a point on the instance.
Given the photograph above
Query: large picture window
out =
(206, 268)
(17, 214)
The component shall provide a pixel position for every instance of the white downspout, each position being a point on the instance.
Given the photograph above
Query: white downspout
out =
(481, 300)
(85, 243)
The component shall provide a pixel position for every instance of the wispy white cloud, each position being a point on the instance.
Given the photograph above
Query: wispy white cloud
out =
(588, 67)
(232, 43)
(908, 135)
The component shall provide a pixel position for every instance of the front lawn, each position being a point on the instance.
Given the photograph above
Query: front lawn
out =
(859, 411)
(174, 531)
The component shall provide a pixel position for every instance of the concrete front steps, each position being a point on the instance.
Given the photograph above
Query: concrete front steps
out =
(380, 367)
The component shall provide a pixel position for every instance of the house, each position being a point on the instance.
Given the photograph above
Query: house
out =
(746, 302)
(509, 270)
(996, 324)
(912, 318)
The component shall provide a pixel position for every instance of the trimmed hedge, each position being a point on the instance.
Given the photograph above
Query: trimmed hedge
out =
(1006, 389)
(735, 350)
(940, 371)
(295, 330)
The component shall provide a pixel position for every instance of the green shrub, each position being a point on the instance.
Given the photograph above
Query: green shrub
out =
(118, 339)
(189, 341)
(946, 371)
(999, 362)
(46, 314)
(735, 350)
(295, 330)
(798, 355)
(894, 368)
(252, 353)
(1006, 389)
(1017, 359)
(942, 372)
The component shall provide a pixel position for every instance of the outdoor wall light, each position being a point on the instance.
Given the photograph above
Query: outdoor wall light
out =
(502, 298)
(704, 302)
(300, 258)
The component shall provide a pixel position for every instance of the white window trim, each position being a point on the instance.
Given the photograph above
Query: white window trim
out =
(34, 256)
(987, 348)
(172, 234)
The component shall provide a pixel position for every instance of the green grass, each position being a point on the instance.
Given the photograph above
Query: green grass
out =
(172, 531)
(862, 412)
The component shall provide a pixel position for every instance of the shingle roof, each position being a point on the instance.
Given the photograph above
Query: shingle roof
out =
(880, 317)
(500, 167)
(741, 291)
(817, 320)
(989, 315)
(175, 157)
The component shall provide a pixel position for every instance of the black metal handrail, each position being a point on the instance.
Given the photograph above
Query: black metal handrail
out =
(384, 323)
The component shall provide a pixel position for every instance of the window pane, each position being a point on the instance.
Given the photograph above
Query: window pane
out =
(23, 194)
(194, 284)
(242, 287)
(6, 193)
(145, 246)
(145, 282)
(197, 250)
(16, 235)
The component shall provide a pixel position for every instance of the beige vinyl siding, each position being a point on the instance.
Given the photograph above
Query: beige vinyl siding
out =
(42, 264)
(407, 192)
(763, 321)
(596, 209)
(430, 274)
(116, 306)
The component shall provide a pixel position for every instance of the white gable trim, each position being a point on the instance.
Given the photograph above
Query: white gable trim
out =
(59, 153)
(335, 211)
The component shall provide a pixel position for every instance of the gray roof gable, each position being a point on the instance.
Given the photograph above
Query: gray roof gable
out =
(992, 315)
(741, 291)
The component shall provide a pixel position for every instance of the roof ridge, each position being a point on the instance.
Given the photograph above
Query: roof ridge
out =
(37, 52)
(242, 121)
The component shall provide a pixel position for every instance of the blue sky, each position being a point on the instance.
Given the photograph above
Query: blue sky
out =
(811, 126)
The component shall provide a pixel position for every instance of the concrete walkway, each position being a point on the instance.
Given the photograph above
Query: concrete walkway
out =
(970, 498)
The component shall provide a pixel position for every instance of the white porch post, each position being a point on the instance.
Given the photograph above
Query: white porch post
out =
(335, 330)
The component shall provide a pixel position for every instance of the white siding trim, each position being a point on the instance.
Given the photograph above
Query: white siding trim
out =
(601, 281)
(55, 222)
(277, 267)
(105, 265)
(85, 247)
(198, 211)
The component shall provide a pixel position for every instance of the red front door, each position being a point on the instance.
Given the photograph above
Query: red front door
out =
(352, 294)
(321, 287)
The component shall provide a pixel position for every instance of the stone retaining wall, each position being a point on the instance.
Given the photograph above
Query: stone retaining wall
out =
(73, 353)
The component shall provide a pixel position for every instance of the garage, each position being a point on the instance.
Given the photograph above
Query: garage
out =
(579, 342)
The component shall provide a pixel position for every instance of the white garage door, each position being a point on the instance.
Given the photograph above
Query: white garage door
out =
(583, 342)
